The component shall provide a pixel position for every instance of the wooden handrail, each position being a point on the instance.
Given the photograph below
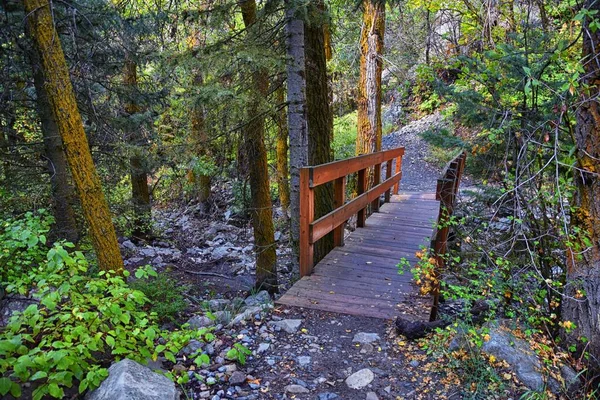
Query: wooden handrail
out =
(311, 177)
(446, 192)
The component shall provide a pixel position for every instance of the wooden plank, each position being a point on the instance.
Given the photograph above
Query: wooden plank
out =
(374, 292)
(337, 307)
(328, 172)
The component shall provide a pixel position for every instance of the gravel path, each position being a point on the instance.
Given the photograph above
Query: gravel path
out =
(417, 173)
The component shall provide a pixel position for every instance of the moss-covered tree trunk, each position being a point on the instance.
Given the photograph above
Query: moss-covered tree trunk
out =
(70, 126)
(140, 193)
(320, 119)
(369, 130)
(282, 149)
(65, 224)
(261, 207)
(582, 303)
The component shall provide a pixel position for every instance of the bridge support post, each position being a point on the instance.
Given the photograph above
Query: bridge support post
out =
(307, 214)
(388, 175)
(361, 218)
(398, 169)
(339, 193)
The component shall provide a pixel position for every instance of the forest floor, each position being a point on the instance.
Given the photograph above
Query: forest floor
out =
(296, 353)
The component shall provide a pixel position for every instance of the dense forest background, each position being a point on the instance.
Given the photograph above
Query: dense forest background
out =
(114, 113)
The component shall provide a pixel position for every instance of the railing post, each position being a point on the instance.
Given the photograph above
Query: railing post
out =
(339, 199)
(362, 187)
(388, 175)
(398, 169)
(307, 214)
(376, 181)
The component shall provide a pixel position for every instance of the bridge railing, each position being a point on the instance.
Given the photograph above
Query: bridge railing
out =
(446, 191)
(337, 171)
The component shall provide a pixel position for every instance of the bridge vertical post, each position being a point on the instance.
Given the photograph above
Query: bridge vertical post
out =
(339, 199)
(307, 214)
(362, 187)
(376, 181)
(398, 169)
(388, 175)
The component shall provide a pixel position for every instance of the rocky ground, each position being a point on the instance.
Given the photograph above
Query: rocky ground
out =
(295, 353)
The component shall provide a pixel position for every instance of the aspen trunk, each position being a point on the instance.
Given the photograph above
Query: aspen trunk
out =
(296, 98)
(369, 130)
(65, 224)
(282, 149)
(261, 207)
(320, 119)
(140, 194)
(70, 126)
(582, 303)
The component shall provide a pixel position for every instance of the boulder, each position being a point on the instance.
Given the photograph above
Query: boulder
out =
(364, 338)
(200, 321)
(128, 380)
(288, 325)
(258, 299)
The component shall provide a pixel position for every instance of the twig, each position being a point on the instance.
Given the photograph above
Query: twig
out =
(201, 273)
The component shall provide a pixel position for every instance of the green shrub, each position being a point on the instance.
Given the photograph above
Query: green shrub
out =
(82, 322)
(344, 136)
(164, 295)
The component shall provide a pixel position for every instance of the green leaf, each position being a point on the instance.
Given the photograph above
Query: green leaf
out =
(5, 386)
(55, 391)
(125, 318)
(110, 341)
(15, 390)
(38, 375)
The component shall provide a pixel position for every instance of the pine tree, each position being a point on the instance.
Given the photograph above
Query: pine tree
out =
(70, 126)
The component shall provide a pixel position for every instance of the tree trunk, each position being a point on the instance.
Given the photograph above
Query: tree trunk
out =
(320, 119)
(582, 303)
(70, 126)
(296, 98)
(140, 194)
(369, 132)
(199, 139)
(65, 224)
(282, 148)
(261, 207)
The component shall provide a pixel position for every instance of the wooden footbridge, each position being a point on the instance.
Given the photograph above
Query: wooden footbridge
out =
(360, 275)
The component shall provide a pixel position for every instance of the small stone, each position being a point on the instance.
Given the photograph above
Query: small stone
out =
(237, 378)
(414, 363)
(199, 321)
(372, 396)
(296, 389)
(218, 304)
(360, 379)
(303, 361)
(193, 347)
(211, 380)
(364, 338)
(263, 347)
(288, 325)
(327, 396)
(259, 298)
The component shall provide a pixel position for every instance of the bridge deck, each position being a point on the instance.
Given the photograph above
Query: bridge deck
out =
(361, 278)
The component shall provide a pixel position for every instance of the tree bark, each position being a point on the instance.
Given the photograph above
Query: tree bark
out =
(70, 126)
(261, 207)
(581, 304)
(140, 194)
(319, 116)
(282, 149)
(297, 125)
(65, 224)
(369, 132)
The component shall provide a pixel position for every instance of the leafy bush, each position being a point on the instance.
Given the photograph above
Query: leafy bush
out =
(164, 294)
(77, 323)
(344, 136)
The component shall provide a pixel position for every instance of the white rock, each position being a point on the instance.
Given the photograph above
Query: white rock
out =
(360, 379)
(128, 380)
(296, 389)
(288, 325)
(364, 338)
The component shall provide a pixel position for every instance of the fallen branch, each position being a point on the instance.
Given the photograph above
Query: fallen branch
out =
(201, 273)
